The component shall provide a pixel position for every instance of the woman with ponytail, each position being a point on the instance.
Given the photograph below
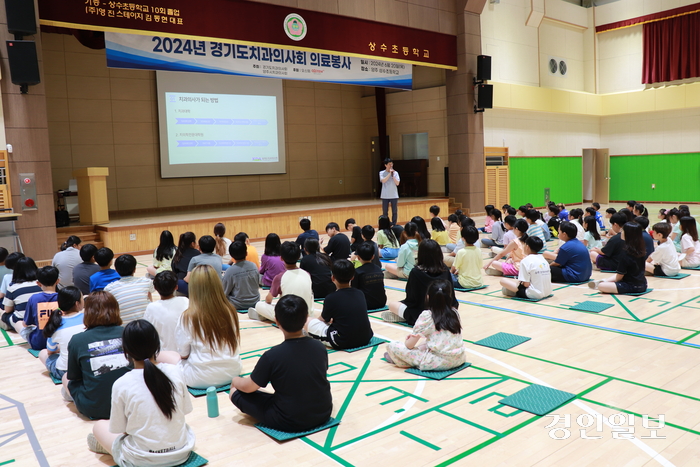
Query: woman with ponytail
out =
(147, 426)
(64, 322)
(440, 327)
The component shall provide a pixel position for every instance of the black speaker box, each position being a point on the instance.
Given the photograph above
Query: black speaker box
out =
(24, 66)
(483, 67)
(484, 96)
(21, 18)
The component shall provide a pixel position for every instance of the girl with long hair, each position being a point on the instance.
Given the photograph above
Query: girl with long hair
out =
(318, 265)
(207, 335)
(271, 263)
(407, 254)
(629, 276)
(387, 242)
(439, 325)
(147, 423)
(515, 251)
(186, 250)
(222, 245)
(163, 254)
(690, 247)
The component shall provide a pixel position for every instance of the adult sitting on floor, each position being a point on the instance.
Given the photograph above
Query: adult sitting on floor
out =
(572, 263)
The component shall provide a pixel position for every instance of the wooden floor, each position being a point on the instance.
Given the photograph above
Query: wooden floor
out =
(639, 357)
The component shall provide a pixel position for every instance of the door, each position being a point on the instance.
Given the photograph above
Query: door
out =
(601, 180)
(588, 176)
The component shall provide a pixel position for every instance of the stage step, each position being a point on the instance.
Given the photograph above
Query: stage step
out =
(86, 233)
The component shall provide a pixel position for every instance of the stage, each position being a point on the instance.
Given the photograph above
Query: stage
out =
(139, 234)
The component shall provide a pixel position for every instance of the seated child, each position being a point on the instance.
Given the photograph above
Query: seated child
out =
(664, 260)
(166, 312)
(133, 293)
(535, 230)
(83, 271)
(534, 277)
(367, 236)
(406, 259)
(39, 306)
(466, 269)
(629, 277)
(508, 235)
(571, 262)
(350, 224)
(608, 215)
(440, 327)
(64, 322)
(369, 279)
(318, 265)
(241, 279)
(3, 268)
(10, 263)
(387, 242)
(344, 323)
(106, 275)
(515, 251)
(439, 234)
(296, 369)
(253, 256)
(435, 212)
(453, 230)
(690, 246)
(598, 216)
(648, 241)
(591, 238)
(489, 221)
(293, 281)
(207, 245)
(338, 246)
(606, 258)
(22, 287)
(498, 230)
(554, 220)
(307, 233)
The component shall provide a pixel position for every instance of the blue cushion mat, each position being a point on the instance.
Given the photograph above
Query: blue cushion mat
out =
(198, 392)
(438, 374)
(285, 435)
(536, 399)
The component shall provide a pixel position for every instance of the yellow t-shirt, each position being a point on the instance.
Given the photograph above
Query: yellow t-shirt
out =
(468, 263)
(440, 237)
(252, 255)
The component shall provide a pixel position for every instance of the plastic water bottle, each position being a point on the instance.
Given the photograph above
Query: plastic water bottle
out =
(212, 402)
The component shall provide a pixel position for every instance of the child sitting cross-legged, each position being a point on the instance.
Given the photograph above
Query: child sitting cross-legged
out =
(296, 369)
(440, 327)
(466, 270)
(663, 261)
(344, 323)
(369, 278)
(534, 277)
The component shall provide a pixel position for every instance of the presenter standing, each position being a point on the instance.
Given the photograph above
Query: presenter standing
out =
(390, 181)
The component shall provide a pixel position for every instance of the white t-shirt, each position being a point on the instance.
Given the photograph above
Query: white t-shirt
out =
(205, 367)
(665, 256)
(508, 237)
(580, 233)
(592, 242)
(61, 337)
(152, 439)
(687, 242)
(535, 270)
(164, 315)
(132, 294)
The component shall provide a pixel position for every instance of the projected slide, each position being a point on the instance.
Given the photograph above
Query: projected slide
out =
(221, 128)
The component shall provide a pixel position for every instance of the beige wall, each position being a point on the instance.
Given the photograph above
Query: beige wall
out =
(421, 111)
(108, 117)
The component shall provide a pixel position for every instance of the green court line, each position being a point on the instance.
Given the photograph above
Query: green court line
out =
(464, 420)
(409, 379)
(688, 338)
(405, 394)
(625, 308)
(671, 308)
(489, 441)
(348, 398)
(593, 388)
(256, 350)
(421, 441)
(416, 415)
(7, 462)
(674, 425)
(7, 338)
(327, 452)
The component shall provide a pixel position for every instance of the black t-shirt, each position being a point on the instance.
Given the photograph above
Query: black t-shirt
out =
(297, 369)
(614, 248)
(417, 289)
(348, 310)
(338, 247)
(321, 282)
(648, 244)
(632, 269)
(369, 278)
(180, 268)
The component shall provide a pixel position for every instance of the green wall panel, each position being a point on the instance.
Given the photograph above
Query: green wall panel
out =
(676, 176)
(529, 176)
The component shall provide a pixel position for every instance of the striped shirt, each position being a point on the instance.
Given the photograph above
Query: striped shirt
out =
(132, 294)
(536, 231)
(18, 295)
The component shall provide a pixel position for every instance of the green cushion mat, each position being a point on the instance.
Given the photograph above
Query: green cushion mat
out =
(55, 381)
(677, 276)
(578, 283)
(197, 392)
(502, 341)
(384, 308)
(438, 374)
(372, 342)
(536, 399)
(460, 289)
(285, 435)
(594, 307)
(638, 293)
(265, 287)
(696, 268)
(533, 299)
(35, 353)
(195, 460)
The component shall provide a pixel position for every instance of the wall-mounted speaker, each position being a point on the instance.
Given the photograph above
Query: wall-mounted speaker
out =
(483, 67)
(24, 66)
(21, 17)
(484, 96)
